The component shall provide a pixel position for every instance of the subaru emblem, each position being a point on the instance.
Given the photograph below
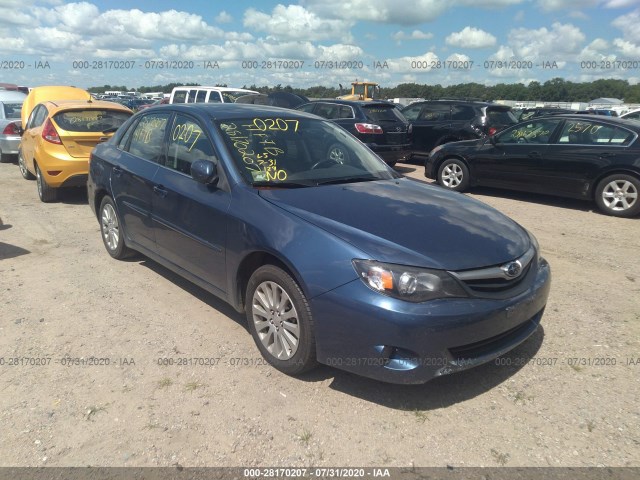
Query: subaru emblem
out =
(512, 269)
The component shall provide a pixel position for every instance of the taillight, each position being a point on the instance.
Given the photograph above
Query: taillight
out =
(368, 128)
(492, 131)
(11, 129)
(50, 134)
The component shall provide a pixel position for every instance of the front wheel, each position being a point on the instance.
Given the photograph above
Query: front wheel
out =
(280, 321)
(454, 175)
(617, 195)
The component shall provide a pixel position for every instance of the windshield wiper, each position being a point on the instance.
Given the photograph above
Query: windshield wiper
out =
(355, 179)
(271, 184)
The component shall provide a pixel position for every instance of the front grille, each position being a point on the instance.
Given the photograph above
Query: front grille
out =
(484, 285)
(495, 281)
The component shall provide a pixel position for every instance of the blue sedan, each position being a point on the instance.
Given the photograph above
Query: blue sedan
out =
(336, 261)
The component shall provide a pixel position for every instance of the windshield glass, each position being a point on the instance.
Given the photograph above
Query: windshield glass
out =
(304, 152)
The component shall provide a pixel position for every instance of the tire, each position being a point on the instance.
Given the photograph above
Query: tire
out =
(619, 195)
(454, 175)
(26, 174)
(111, 231)
(46, 193)
(272, 298)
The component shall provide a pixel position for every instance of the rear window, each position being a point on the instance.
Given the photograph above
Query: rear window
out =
(382, 112)
(499, 116)
(91, 120)
(12, 110)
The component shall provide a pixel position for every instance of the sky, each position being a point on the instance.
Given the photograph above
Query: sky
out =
(317, 42)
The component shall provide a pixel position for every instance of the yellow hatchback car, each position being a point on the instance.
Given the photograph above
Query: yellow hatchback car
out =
(63, 125)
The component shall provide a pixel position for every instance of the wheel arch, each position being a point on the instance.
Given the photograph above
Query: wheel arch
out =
(249, 264)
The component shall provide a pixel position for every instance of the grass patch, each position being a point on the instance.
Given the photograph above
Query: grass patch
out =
(500, 458)
(305, 436)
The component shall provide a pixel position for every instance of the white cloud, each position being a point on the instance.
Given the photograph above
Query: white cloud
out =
(555, 5)
(296, 22)
(415, 35)
(628, 24)
(620, 3)
(224, 17)
(543, 44)
(627, 49)
(471, 37)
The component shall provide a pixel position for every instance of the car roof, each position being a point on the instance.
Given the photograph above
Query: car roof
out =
(231, 110)
(465, 102)
(12, 96)
(59, 105)
(361, 103)
(634, 125)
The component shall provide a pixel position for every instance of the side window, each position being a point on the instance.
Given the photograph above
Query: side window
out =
(214, 97)
(327, 110)
(539, 131)
(345, 111)
(147, 137)
(435, 113)
(124, 140)
(592, 133)
(180, 96)
(307, 108)
(187, 143)
(202, 96)
(462, 112)
(412, 112)
(37, 117)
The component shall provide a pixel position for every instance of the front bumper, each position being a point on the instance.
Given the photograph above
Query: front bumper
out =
(376, 336)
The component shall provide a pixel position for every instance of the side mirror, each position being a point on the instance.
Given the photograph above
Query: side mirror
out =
(204, 171)
(493, 140)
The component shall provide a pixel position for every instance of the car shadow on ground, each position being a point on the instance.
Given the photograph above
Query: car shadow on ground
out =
(438, 393)
(539, 198)
(73, 196)
(404, 169)
(191, 288)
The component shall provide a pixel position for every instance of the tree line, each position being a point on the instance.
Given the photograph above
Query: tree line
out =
(554, 90)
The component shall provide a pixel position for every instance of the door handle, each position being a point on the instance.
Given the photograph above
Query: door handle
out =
(607, 155)
(117, 172)
(160, 191)
(534, 155)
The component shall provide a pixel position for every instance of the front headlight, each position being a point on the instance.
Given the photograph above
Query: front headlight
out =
(412, 284)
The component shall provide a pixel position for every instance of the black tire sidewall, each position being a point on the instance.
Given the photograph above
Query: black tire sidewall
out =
(631, 212)
(305, 357)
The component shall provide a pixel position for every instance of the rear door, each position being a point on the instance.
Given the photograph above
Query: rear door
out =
(31, 134)
(132, 178)
(190, 218)
(584, 150)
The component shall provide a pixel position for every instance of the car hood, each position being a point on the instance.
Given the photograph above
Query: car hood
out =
(408, 222)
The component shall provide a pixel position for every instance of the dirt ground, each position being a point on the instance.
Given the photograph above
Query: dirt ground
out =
(566, 397)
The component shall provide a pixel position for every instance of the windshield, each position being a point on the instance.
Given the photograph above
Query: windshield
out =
(378, 113)
(499, 116)
(299, 152)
